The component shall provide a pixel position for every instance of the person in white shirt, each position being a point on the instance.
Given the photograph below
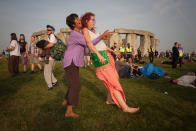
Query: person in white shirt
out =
(186, 80)
(14, 49)
(48, 68)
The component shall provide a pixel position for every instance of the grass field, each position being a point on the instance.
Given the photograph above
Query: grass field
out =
(26, 104)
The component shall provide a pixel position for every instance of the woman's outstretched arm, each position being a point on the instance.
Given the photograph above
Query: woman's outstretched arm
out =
(91, 46)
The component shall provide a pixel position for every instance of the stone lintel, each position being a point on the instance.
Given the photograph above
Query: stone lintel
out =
(65, 30)
(132, 31)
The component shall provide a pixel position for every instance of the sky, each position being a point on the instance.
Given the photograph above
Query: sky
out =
(169, 20)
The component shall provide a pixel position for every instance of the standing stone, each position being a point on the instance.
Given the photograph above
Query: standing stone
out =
(152, 42)
(144, 44)
(132, 40)
(157, 41)
(41, 35)
(115, 38)
(65, 34)
(107, 42)
(61, 37)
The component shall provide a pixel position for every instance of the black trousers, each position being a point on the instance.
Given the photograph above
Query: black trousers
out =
(72, 74)
(140, 57)
(174, 62)
(151, 57)
(123, 54)
(128, 56)
(180, 61)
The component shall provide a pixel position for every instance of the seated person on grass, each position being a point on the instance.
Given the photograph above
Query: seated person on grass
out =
(138, 61)
(122, 68)
(150, 69)
(126, 70)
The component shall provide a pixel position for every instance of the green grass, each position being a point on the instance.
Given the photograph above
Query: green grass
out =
(26, 104)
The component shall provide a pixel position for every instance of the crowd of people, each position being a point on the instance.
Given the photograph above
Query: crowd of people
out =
(85, 44)
(18, 51)
(177, 56)
(131, 54)
(83, 35)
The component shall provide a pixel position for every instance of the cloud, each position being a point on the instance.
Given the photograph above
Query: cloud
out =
(166, 6)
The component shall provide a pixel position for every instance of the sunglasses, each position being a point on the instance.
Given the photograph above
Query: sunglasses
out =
(49, 30)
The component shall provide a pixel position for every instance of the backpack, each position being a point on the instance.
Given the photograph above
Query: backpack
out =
(57, 51)
(41, 44)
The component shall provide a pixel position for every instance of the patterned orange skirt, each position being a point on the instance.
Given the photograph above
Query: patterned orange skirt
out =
(110, 78)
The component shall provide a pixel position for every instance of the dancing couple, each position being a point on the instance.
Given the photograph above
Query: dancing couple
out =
(102, 60)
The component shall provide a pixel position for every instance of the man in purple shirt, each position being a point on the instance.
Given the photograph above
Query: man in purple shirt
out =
(73, 59)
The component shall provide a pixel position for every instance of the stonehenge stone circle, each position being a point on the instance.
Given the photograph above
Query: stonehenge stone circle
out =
(146, 38)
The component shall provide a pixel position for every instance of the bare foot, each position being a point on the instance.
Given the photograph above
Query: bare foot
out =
(64, 103)
(71, 114)
(110, 102)
(131, 110)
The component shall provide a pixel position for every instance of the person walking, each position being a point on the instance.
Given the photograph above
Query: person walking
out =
(50, 79)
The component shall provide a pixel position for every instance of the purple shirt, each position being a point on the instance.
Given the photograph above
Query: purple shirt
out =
(180, 49)
(75, 49)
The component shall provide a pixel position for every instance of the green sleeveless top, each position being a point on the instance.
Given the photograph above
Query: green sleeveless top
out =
(96, 61)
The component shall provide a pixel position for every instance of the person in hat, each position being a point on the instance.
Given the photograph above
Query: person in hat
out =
(48, 68)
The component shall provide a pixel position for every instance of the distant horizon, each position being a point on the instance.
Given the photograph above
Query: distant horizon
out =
(169, 20)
